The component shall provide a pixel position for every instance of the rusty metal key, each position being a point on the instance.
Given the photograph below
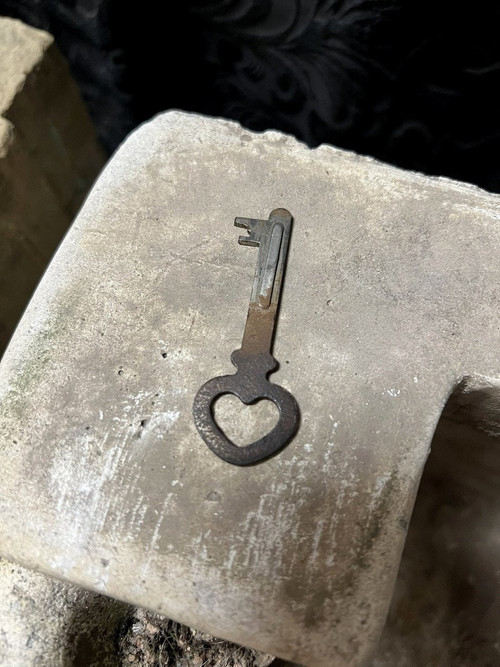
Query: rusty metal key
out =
(254, 360)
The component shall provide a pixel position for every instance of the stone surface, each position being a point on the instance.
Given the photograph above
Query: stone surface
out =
(21, 50)
(446, 605)
(391, 299)
(50, 623)
(49, 157)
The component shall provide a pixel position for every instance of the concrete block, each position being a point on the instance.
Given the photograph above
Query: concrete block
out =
(390, 303)
(49, 157)
(49, 623)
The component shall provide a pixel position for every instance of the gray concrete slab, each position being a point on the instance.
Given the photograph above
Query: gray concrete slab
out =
(49, 158)
(391, 299)
(50, 623)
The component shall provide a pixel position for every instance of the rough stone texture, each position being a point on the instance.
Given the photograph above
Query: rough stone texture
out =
(49, 157)
(391, 299)
(446, 606)
(50, 623)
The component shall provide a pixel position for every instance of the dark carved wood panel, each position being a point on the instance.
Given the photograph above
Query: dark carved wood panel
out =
(412, 83)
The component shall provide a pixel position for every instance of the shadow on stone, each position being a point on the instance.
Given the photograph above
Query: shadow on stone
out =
(446, 605)
(96, 626)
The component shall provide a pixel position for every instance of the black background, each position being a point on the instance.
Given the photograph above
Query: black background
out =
(411, 83)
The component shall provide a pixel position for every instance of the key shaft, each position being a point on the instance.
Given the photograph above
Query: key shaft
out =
(272, 237)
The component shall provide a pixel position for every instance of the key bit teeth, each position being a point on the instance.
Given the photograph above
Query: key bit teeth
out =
(252, 226)
(244, 223)
(248, 240)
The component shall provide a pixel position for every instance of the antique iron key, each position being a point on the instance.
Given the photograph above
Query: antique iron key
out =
(254, 360)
